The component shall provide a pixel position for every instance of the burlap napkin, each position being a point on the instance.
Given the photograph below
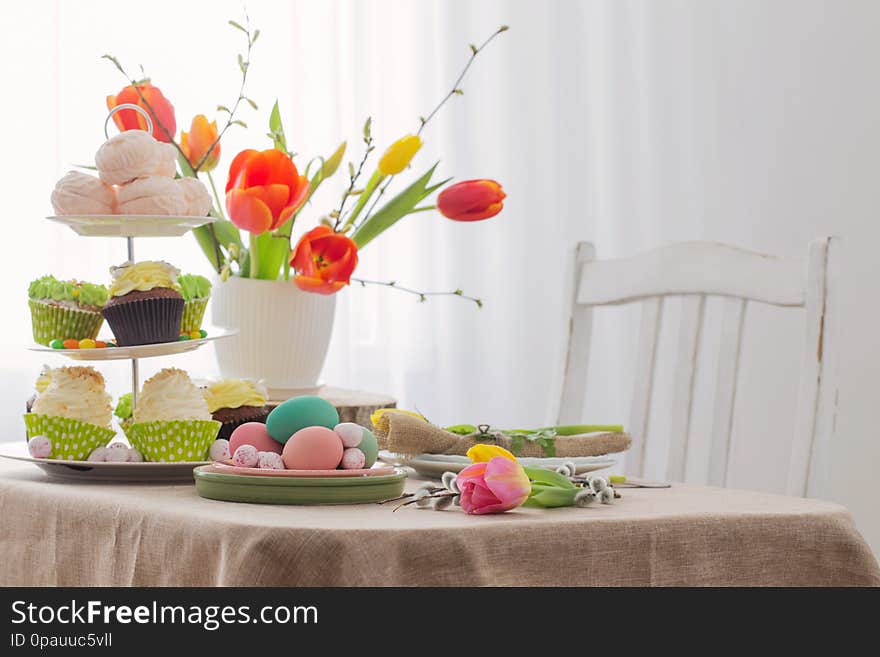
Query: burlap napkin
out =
(403, 434)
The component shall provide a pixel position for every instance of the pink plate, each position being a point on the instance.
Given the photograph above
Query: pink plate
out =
(225, 467)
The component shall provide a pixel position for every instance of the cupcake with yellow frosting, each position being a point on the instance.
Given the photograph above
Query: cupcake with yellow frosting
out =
(233, 402)
(171, 421)
(73, 412)
(145, 304)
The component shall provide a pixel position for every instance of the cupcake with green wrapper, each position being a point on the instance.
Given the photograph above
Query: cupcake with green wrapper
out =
(196, 291)
(171, 421)
(73, 413)
(145, 304)
(65, 309)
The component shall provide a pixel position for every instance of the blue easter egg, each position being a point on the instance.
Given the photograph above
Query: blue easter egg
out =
(298, 413)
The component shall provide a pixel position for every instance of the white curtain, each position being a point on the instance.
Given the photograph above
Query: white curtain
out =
(629, 123)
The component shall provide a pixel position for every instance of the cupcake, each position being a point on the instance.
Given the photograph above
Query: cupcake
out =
(196, 291)
(145, 304)
(65, 309)
(171, 421)
(73, 413)
(232, 402)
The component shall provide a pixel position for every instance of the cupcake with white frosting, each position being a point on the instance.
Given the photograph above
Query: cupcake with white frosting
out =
(73, 412)
(171, 421)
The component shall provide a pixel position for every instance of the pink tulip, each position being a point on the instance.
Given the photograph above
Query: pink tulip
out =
(492, 487)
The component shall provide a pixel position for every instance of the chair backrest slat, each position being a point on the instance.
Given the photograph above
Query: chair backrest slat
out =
(725, 389)
(640, 409)
(690, 325)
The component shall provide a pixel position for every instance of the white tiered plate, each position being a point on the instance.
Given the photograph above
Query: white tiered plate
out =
(130, 225)
(434, 465)
(140, 351)
(116, 472)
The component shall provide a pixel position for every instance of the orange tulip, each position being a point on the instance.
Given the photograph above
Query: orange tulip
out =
(198, 140)
(264, 189)
(323, 261)
(471, 200)
(162, 111)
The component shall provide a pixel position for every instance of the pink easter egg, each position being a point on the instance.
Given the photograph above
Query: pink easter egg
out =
(253, 433)
(313, 448)
(246, 456)
(353, 459)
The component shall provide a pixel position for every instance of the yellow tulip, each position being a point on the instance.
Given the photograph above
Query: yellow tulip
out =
(399, 154)
(374, 417)
(481, 453)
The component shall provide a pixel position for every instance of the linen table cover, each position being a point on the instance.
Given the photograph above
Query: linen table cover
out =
(77, 533)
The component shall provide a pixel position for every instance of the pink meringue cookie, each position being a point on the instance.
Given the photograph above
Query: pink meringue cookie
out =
(270, 461)
(80, 193)
(40, 447)
(246, 456)
(154, 195)
(134, 154)
(198, 200)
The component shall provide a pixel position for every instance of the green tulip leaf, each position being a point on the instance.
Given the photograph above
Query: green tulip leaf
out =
(550, 497)
(276, 128)
(397, 208)
(548, 477)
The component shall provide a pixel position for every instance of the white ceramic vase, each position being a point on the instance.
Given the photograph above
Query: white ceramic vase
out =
(284, 332)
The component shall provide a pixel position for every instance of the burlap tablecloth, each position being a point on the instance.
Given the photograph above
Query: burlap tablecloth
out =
(55, 533)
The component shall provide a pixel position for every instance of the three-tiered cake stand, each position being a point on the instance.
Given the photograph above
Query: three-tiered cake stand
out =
(128, 227)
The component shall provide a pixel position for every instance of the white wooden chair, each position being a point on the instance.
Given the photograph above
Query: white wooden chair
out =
(693, 271)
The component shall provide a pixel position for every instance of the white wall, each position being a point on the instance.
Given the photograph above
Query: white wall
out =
(629, 123)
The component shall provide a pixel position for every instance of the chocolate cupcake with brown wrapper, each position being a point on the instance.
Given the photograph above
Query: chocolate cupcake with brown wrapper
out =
(145, 304)
(233, 402)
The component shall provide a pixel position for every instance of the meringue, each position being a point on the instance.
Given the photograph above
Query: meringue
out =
(80, 193)
(198, 200)
(134, 154)
(152, 195)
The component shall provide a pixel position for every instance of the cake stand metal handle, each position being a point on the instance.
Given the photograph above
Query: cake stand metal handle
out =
(128, 106)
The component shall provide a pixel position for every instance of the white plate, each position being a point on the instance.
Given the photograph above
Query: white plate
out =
(140, 351)
(130, 225)
(434, 465)
(116, 472)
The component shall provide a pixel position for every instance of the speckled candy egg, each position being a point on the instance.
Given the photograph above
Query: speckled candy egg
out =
(253, 433)
(299, 413)
(370, 448)
(313, 448)
(352, 459)
(40, 447)
(246, 456)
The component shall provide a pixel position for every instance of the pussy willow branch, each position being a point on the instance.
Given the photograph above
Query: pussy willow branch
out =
(368, 140)
(456, 90)
(245, 67)
(423, 296)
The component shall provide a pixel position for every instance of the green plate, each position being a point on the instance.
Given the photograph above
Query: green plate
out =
(297, 490)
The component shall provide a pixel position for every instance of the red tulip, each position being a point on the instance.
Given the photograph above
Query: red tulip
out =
(323, 260)
(162, 111)
(263, 190)
(471, 200)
